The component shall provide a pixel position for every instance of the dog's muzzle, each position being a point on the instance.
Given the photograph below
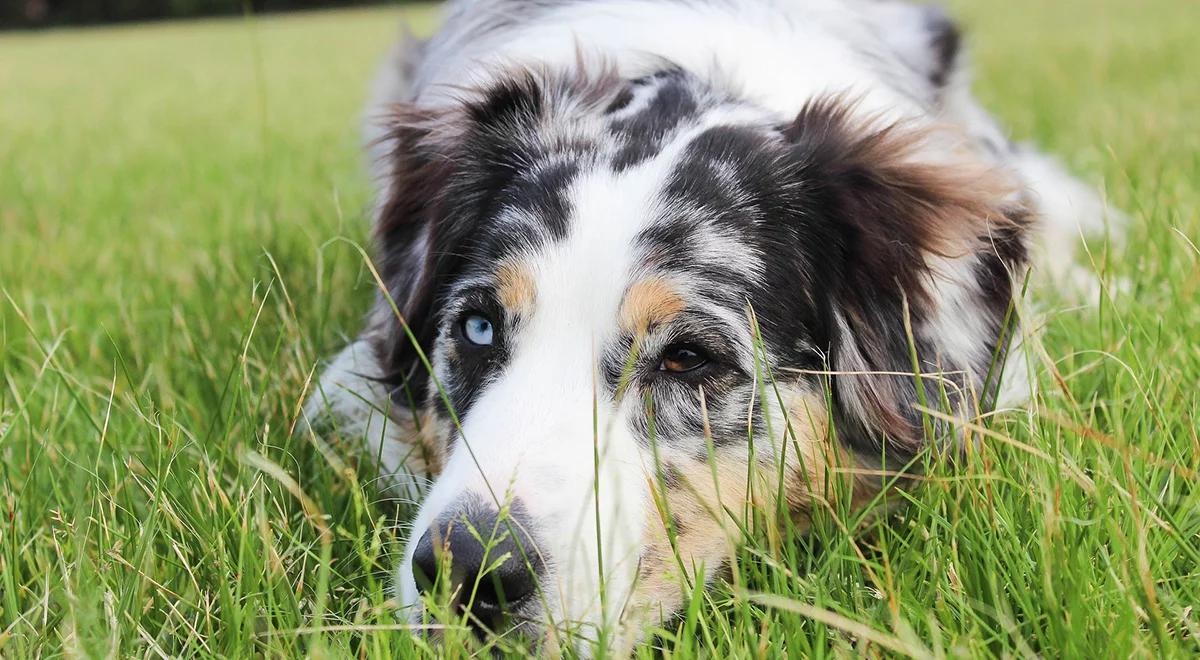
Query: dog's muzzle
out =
(486, 558)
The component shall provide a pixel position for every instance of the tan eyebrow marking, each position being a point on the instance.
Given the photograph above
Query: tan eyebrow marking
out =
(648, 303)
(515, 287)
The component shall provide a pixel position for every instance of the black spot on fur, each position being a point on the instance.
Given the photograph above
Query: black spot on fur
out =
(642, 134)
(544, 195)
(620, 102)
(677, 523)
(670, 476)
(646, 569)
(946, 41)
(509, 102)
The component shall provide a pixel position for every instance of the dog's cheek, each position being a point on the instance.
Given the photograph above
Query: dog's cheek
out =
(693, 525)
(819, 471)
(688, 529)
(432, 439)
(436, 431)
(418, 438)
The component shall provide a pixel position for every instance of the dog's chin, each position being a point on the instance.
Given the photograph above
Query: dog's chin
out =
(526, 631)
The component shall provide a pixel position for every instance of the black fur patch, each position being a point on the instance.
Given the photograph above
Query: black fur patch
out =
(945, 40)
(642, 134)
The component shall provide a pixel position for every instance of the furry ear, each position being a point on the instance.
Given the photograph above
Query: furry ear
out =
(418, 166)
(922, 229)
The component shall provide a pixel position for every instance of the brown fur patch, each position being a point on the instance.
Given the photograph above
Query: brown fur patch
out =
(424, 433)
(818, 466)
(713, 498)
(648, 303)
(515, 287)
(709, 498)
(431, 435)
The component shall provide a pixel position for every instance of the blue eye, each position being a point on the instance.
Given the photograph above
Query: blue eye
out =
(478, 330)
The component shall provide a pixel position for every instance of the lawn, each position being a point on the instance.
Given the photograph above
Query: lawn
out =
(179, 209)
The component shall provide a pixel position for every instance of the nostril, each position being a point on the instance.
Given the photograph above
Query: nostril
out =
(425, 562)
(510, 579)
(510, 582)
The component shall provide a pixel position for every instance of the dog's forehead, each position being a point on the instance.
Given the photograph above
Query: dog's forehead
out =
(662, 185)
(576, 246)
(616, 246)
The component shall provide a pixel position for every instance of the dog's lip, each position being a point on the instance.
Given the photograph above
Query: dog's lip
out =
(514, 620)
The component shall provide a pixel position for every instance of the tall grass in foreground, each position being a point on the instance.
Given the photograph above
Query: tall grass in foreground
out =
(168, 282)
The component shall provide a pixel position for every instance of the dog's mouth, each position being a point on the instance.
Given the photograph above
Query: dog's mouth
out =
(485, 613)
(457, 610)
(521, 628)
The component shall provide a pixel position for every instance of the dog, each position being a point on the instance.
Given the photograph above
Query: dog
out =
(642, 262)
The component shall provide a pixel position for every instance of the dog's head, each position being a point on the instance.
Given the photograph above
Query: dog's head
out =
(625, 309)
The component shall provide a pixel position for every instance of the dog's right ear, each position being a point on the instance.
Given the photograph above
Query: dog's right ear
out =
(417, 168)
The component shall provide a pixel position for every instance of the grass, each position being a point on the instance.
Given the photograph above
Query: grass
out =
(171, 203)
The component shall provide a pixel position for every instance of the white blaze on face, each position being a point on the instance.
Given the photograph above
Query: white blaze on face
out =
(532, 431)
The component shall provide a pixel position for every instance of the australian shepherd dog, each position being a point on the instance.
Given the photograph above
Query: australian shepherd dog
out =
(643, 263)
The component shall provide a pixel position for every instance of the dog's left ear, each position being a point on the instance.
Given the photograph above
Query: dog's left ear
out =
(924, 241)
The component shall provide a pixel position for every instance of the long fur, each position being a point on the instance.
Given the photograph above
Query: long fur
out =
(611, 187)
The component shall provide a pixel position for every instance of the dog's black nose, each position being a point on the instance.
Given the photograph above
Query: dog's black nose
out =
(493, 562)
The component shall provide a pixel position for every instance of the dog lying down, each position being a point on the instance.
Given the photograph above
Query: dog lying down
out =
(649, 252)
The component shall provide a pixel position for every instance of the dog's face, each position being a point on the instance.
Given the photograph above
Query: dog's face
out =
(646, 306)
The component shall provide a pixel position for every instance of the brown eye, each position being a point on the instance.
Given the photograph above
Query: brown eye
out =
(679, 358)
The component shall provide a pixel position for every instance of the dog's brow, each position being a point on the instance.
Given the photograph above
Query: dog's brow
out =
(647, 303)
(515, 287)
